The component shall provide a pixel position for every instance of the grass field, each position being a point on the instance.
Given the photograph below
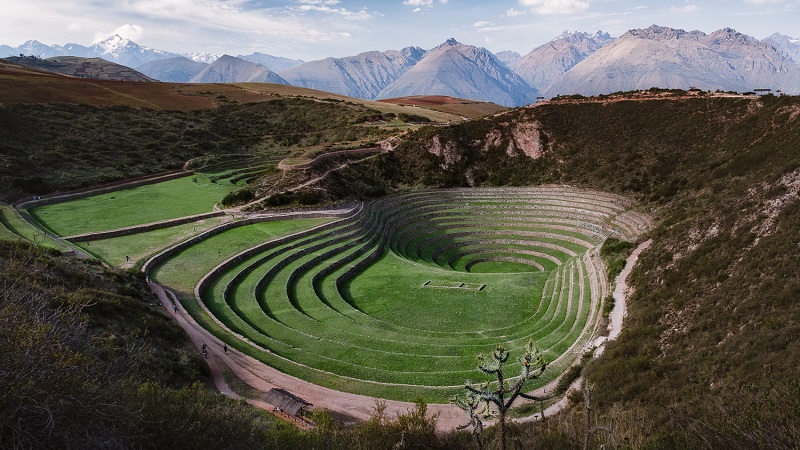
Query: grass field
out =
(181, 197)
(13, 227)
(186, 268)
(114, 251)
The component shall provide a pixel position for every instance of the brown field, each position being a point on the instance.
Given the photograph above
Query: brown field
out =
(20, 84)
(450, 105)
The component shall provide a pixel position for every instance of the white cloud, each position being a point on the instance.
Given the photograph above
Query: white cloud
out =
(555, 6)
(75, 26)
(127, 31)
(685, 9)
(418, 2)
(416, 10)
(482, 23)
(763, 2)
(346, 13)
(514, 13)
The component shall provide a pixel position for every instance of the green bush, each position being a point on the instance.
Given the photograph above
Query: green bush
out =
(238, 197)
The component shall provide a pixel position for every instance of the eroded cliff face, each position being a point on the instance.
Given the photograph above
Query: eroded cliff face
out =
(516, 138)
(526, 137)
(448, 150)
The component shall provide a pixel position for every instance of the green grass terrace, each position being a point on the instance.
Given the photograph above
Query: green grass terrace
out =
(394, 298)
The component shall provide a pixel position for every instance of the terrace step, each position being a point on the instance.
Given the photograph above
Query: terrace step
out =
(300, 298)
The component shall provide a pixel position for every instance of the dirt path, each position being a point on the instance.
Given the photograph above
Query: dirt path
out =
(621, 292)
(262, 377)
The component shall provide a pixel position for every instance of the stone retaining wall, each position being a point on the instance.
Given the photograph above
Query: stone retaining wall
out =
(33, 202)
(96, 236)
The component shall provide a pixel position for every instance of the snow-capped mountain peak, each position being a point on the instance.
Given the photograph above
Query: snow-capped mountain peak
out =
(126, 52)
(111, 43)
(202, 57)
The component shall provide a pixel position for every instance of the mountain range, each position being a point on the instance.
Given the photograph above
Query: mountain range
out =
(677, 59)
(572, 63)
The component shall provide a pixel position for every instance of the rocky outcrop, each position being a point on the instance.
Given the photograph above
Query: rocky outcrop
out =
(527, 139)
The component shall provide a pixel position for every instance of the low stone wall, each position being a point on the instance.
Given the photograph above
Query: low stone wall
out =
(168, 253)
(87, 237)
(33, 202)
(225, 265)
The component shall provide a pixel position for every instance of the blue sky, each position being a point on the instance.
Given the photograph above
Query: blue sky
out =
(314, 29)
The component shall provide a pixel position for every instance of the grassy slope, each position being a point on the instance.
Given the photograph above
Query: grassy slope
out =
(144, 204)
(186, 268)
(13, 226)
(141, 245)
(712, 324)
(77, 335)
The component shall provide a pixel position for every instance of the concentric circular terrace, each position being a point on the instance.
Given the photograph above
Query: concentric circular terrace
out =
(396, 297)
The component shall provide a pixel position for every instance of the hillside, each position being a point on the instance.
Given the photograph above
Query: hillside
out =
(51, 138)
(708, 354)
(94, 68)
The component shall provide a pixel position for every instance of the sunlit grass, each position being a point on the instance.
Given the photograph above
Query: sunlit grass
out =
(181, 197)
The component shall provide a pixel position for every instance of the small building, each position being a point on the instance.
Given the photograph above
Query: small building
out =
(762, 91)
(288, 403)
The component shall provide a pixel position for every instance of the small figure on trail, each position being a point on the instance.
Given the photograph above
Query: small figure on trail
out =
(205, 350)
(225, 348)
(127, 258)
(175, 308)
(148, 277)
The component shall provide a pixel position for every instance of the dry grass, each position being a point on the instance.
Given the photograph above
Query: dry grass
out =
(20, 84)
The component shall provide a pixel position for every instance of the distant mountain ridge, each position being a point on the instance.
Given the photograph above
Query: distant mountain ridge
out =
(464, 71)
(364, 75)
(572, 63)
(230, 69)
(179, 69)
(787, 45)
(546, 63)
(676, 59)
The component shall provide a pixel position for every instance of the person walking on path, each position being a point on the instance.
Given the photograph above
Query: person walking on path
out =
(175, 309)
(205, 350)
(225, 348)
